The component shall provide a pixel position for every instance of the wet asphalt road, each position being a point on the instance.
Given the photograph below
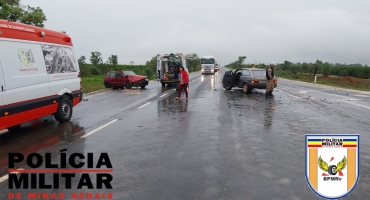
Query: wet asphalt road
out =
(217, 145)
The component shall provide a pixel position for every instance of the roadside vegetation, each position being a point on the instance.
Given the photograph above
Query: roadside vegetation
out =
(93, 73)
(349, 76)
(14, 11)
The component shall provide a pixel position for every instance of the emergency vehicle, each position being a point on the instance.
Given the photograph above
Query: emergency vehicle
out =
(39, 74)
(168, 68)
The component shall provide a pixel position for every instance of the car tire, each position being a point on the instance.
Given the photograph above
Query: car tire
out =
(332, 170)
(65, 110)
(128, 85)
(142, 87)
(107, 85)
(246, 88)
(228, 88)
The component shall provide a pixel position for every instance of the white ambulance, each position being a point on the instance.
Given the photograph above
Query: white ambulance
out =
(39, 74)
(167, 68)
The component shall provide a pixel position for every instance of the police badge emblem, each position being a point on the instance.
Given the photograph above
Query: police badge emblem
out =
(332, 164)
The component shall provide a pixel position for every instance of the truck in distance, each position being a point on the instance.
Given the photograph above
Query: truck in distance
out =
(207, 65)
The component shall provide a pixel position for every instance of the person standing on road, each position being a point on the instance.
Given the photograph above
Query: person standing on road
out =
(184, 81)
(270, 77)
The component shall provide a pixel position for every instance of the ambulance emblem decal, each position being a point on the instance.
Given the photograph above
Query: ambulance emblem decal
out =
(332, 164)
(26, 57)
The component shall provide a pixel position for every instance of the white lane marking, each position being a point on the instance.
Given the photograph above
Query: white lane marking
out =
(344, 100)
(98, 129)
(339, 96)
(95, 95)
(302, 92)
(361, 95)
(5, 177)
(163, 95)
(145, 104)
(356, 104)
(288, 93)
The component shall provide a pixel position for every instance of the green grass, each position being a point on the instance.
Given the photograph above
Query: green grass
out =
(93, 83)
(335, 81)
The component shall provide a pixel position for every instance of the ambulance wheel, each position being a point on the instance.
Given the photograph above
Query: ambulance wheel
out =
(332, 170)
(64, 112)
(128, 85)
(14, 128)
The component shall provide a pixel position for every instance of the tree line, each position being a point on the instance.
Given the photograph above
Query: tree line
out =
(318, 67)
(14, 11)
(97, 66)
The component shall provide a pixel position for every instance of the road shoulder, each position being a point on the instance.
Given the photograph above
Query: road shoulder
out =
(329, 87)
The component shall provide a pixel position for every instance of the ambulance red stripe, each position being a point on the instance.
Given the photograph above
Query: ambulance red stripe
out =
(20, 31)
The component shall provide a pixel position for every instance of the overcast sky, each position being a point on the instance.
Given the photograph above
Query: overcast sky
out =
(335, 31)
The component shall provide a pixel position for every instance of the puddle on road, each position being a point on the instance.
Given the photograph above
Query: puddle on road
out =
(129, 91)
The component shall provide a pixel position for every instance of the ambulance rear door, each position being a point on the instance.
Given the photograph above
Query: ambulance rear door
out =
(183, 60)
(159, 68)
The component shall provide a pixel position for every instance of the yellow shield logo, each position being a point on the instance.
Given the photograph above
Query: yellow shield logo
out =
(26, 57)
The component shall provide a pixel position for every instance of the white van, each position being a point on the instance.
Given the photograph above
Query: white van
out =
(39, 74)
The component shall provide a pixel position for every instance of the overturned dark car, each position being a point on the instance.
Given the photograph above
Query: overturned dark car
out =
(246, 78)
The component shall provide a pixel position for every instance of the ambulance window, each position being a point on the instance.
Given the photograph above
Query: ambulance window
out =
(112, 75)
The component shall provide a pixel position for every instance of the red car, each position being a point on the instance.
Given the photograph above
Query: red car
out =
(124, 79)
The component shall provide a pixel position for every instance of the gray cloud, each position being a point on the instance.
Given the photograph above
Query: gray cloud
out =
(264, 31)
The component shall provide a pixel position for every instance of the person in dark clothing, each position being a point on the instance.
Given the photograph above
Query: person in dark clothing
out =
(270, 77)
